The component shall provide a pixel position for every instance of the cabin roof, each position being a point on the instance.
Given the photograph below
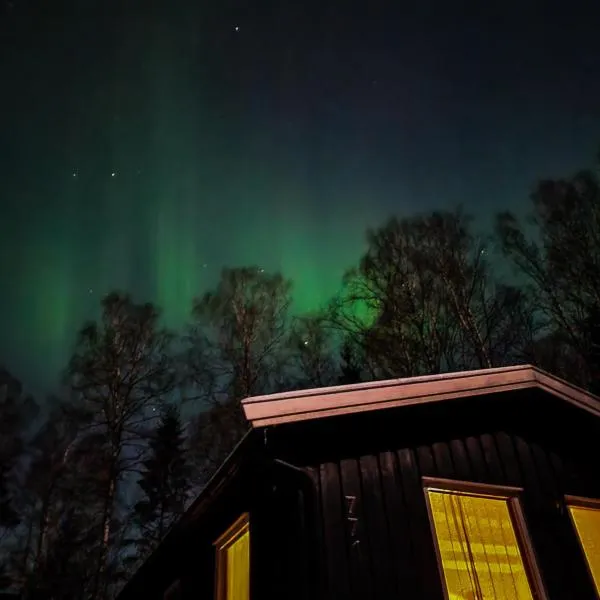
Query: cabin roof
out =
(313, 404)
(305, 405)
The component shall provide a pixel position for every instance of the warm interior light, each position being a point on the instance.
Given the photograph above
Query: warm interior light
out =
(480, 554)
(233, 562)
(587, 523)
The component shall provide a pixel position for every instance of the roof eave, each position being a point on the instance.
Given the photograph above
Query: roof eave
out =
(305, 405)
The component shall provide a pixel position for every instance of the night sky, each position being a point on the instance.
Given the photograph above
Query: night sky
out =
(145, 145)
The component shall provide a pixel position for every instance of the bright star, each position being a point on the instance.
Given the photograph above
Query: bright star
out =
(236, 28)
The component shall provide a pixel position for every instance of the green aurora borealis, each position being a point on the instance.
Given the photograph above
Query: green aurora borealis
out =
(275, 145)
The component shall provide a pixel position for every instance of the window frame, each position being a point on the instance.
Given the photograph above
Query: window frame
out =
(583, 502)
(512, 496)
(235, 531)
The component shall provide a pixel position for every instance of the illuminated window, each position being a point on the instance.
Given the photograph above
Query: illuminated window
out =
(233, 562)
(587, 524)
(480, 555)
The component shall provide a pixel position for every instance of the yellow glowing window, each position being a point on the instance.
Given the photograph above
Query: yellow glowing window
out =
(478, 547)
(233, 562)
(587, 524)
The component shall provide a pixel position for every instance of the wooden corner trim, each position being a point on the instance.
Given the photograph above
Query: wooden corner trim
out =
(582, 501)
(240, 526)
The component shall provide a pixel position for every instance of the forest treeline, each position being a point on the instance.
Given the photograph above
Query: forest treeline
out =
(146, 415)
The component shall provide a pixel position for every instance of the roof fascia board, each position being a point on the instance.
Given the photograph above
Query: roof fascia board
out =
(289, 407)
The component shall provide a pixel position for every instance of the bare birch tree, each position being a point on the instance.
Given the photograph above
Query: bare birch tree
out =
(237, 349)
(424, 300)
(557, 251)
(120, 373)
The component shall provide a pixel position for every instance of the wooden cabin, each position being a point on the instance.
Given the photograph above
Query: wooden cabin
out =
(461, 486)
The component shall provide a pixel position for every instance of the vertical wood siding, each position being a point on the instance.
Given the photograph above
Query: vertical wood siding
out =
(376, 537)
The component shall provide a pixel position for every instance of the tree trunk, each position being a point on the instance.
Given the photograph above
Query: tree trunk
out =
(43, 528)
(99, 588)
(26, 579)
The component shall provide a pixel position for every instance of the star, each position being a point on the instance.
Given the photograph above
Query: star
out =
(74, 173)
(113, 174)
(236, 28)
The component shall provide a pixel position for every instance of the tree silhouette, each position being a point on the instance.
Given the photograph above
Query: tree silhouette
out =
(46, 491)
(351, 364)
(424, 300)
(17, 412)
(557, 251)
(164, 482)
(312, 353)
(120, 373)
(237, 348)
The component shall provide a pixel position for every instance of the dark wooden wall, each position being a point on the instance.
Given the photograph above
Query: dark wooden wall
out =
(376, 536)
(378, 541)
(283, 530)
(351, 521)
(280, 502)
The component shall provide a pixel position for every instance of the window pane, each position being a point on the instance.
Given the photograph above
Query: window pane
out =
(587, 523)
(233, 562)
(238, 568)
(480, 555)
